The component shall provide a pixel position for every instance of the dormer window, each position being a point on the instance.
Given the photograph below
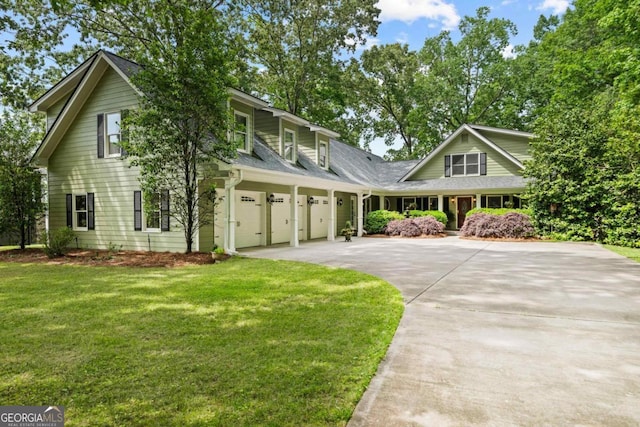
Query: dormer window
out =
(112, 134)
(241, 131)
(289, 145)
(322, 155)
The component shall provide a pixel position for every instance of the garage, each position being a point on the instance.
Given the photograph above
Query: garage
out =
(319, 217)
(250, 219)
(280, 213)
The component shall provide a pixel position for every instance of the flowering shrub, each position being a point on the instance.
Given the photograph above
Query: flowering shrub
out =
(429, 225)
(414, 227)
(512, 225)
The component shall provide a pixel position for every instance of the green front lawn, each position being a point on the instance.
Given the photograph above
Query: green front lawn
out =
(631, 253)
(246, 342)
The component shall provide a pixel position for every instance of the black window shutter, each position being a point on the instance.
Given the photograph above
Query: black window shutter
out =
(124, 130)
(137, 211)
(91, 216)
(399, 204)
(447, 165)
(100, 136)
(164, 210)
(484, 202)
(69, 210)
(483, 163)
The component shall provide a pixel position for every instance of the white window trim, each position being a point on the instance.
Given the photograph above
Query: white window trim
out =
(146, 229)
(107, 141)
(326, 154)
(284, 146)
(247, 142)
(465, 164)
(75, 212)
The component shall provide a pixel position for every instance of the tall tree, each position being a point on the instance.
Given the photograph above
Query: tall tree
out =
(21, 192)
(297, 44)
(181, 124)
(464, 82)
(384, 82)
(595, 76)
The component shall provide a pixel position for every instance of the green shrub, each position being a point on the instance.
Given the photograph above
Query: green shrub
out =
(377, 220)
(57, 241)
(440, 216)
(498, 211)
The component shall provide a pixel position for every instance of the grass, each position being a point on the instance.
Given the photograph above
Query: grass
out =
(243, 343)
(631, 253)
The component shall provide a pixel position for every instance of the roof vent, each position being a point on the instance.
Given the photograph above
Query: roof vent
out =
(368, 157)
(464, 138)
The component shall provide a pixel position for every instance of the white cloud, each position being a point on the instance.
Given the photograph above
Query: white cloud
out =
(507, 2)
(508, 52)
(412, 10)
(558, 6)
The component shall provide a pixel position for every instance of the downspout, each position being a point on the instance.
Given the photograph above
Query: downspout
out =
(230, 212)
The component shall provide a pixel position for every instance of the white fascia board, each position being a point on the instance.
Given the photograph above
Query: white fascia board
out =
(495, 147)
(65, 117)
(287, 116)
(502, 131)
(283, 178)
(247, 98)
(120, 73)
(324, 131)
(62, 88)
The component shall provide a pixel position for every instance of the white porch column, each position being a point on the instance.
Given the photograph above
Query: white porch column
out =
(294, 240)
(360, 214)
(381, 202)
(440, 202)
(230, 218)
(331, 232)
(478, 200)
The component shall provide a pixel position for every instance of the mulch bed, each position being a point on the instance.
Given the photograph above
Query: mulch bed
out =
(109, 258)
(424, 236)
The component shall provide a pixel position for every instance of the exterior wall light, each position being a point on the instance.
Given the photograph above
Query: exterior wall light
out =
(271, 199)
(311, 201)
(340, 201)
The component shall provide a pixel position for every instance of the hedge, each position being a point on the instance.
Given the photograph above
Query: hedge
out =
(377, 221)
(440, 216)
(498, 211)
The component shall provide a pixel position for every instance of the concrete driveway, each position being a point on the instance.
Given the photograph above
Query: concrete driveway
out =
(497, 333)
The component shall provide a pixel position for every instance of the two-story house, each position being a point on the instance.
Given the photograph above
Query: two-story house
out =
(291, 181)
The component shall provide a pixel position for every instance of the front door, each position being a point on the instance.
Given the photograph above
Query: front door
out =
(464, 206)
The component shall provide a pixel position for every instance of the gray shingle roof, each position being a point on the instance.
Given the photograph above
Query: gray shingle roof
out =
(353, 165)
(129, 68)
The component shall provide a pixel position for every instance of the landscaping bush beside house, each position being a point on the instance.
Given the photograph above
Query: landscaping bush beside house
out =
(415, 227)
(440, 216)
(377, 220)
(511, 225)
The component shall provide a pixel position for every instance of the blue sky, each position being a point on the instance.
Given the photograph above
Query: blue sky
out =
(412, 21)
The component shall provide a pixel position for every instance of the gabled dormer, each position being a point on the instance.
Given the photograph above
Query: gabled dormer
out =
(242, 107)
(474, 151)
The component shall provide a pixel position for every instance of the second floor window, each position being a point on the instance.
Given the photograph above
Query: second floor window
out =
(322, 155)
(112, 133)
(241, 131)
(289, 145)
(470, 164)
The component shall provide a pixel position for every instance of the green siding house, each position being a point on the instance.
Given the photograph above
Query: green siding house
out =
(291, 180)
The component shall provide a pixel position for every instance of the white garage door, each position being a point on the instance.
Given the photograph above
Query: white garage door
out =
(249, 218)
(280, 213)
(319, 217)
